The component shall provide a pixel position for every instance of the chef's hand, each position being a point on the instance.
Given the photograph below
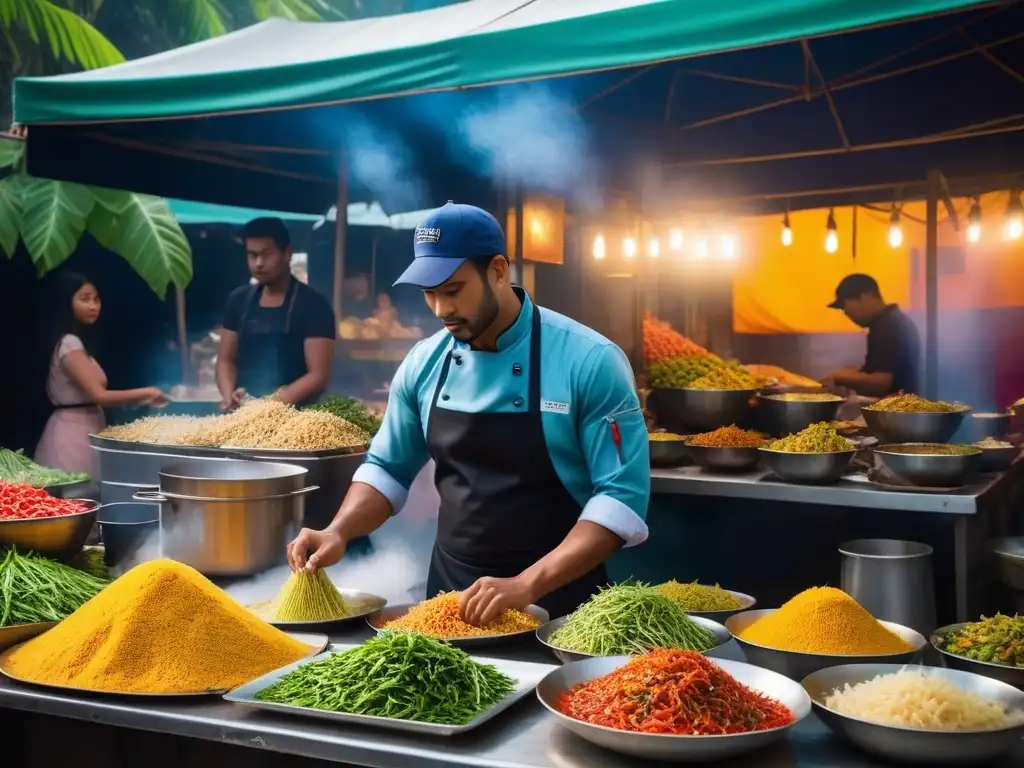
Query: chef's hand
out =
(155, 397)
(326, 545)
(484, 602)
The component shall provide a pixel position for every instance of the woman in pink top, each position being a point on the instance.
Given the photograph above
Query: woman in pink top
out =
(76, 385)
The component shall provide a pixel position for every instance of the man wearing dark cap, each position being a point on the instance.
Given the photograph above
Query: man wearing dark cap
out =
(894, 347)
(533, 423)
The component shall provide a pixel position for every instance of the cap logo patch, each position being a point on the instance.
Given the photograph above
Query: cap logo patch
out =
(427, 235)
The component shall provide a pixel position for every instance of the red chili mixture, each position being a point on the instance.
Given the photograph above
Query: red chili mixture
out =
(23, 502)
(673, 692)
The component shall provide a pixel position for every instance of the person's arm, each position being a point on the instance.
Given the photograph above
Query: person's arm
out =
(614, 515)
(319, 358)
(870, 384)
(84, 373)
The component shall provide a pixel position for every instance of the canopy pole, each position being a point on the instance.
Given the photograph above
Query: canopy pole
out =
(340, 234)
(518, 268)
(182, 323)
(931, 286)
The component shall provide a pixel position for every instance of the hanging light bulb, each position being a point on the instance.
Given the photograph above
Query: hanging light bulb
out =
(728, 246)
(831, 235)
(974, 222)
(629, 247)
(787, 231)
(599, 251)
(1014, 226)
(702, 248)
(654, 248)
(895, 228)
(675, 239)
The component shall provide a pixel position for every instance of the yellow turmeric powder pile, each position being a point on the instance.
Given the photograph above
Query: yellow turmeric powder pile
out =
(824, 620)
(162, 628)
(439, 617)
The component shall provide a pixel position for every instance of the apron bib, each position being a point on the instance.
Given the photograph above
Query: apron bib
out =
(262, 345)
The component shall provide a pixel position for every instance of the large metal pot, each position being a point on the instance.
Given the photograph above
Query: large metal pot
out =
(229, 518)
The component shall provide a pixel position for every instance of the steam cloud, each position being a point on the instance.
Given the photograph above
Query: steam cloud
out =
(378, 158)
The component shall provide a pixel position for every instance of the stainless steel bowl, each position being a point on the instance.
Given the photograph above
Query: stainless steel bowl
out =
(798, 665)
(787, 417)
(1008, 554)
(720, 616)
(723, 459)
(1003, 672)
(668, 747)
(929, 470)
(811, 468)
(668, 453)
(913, 744)
(702, 409)
(566, 656)
(997, 459)
(990, 425)
(900, 427)
(51, 536)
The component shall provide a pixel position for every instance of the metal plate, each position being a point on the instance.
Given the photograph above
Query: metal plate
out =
(377, 622)
(907, 488)
(20, 633)
(526, 675)
(369, 605)
(671, 747)
(1004, 672)
(316, 642)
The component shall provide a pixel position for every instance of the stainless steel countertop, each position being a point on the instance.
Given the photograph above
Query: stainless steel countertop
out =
(758, 484)
(523, 737)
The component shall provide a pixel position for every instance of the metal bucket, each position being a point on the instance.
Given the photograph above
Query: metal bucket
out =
(125, 527)
(229, 518)
(892, 579)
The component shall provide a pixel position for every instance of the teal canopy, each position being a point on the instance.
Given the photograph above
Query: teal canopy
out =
(359, 215)
(282, 64)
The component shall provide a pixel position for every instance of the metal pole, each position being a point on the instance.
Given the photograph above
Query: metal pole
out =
(340, 232)
(517, 256)
(931, 286)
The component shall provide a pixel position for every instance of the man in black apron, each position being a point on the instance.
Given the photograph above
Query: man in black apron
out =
(277, 334)
(533, 422)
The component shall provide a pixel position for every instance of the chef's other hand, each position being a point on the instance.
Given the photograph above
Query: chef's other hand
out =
(326, 545)
(153, 396)
(484, 602)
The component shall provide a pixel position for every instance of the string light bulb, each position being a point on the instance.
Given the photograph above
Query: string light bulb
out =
(599, 248)
(728, 245)
(1014, 226)
(675, 239)
(787, 231)
(895, 228)
(629, 247)
(974, 222)
(654, 248)
(831, 235)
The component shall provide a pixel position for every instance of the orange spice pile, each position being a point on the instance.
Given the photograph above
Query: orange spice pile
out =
(439, 617)
(728, 437)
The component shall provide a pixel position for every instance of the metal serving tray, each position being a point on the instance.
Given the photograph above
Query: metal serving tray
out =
(526, 674)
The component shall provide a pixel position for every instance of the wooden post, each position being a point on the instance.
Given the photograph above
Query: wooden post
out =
(517, 254)
(183, 351)
(340, 233)
(931, 286)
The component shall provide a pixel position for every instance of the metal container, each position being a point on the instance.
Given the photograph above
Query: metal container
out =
(671, 747)
(914, 745)
(1003, 672)
(668, 453)
(1008, 553)
(797, 665)
(994, 425)
(997, 459)
(126, 527)
(905, 427)
(715, 459)
(787, 417)
(720, 616)
(892, 580)
(58, 537)
(229, 518)
(809, 468)
(701, 410)
(928, 470)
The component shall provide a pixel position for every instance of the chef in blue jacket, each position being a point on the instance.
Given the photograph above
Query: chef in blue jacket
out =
(534, 425)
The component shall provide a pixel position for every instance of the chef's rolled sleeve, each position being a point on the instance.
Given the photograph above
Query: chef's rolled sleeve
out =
(621, 475)
(399, 450)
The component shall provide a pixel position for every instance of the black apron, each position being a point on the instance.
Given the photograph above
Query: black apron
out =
(503, 506)
(265, 350)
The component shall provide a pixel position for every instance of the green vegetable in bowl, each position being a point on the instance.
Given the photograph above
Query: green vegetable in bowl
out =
(998, 640)
(16, 467)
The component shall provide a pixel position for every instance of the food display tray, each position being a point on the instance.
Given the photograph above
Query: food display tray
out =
(366, 603)
(526, 674)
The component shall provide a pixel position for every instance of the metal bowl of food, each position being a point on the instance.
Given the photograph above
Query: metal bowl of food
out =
(912, 427)
(917, 745)
(996, 458)
(994, 425)
(747, 603)
(379, 619)
(51, 536)
(717, 459)
(929, 465)
(566, 656)
(671, 747)
(797, 665)
(810, 468)
(941, 639)
(702, 409)
(667, 449)
(1008, 552)
(788, 413)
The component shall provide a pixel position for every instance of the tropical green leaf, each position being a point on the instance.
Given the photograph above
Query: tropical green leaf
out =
(68, 35)
(114, 200)
(202, 19)
(10, 212)
(11, 150)
(53, 218)
(146, 234)
(296, 10)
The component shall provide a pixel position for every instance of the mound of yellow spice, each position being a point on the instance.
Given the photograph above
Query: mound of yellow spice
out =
(824, 620)
(162, 628)
(439, 617)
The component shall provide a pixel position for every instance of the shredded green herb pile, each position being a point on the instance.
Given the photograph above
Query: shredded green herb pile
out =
(398, 675)
(350, 409)
(34, 588)
(16, 467)
(630, 619)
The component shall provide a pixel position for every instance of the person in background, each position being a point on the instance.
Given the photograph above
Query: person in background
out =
(278, 335)
(358, 301)
(75, 384)
(894, 346)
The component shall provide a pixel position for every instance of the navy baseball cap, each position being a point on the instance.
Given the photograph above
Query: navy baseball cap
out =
(853, 287)
(446, 238)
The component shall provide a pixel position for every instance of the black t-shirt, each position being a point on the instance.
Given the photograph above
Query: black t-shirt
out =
(271, 340)
(894, 346)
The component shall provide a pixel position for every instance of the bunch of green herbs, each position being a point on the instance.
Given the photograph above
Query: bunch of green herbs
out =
(16, 467)
(351, 410)
(34, 589)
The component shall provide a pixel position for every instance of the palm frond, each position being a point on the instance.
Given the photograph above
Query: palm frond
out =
(295, 10)
(202, 19)
(68, 35)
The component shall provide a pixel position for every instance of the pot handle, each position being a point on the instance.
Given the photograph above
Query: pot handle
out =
(161, 497)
